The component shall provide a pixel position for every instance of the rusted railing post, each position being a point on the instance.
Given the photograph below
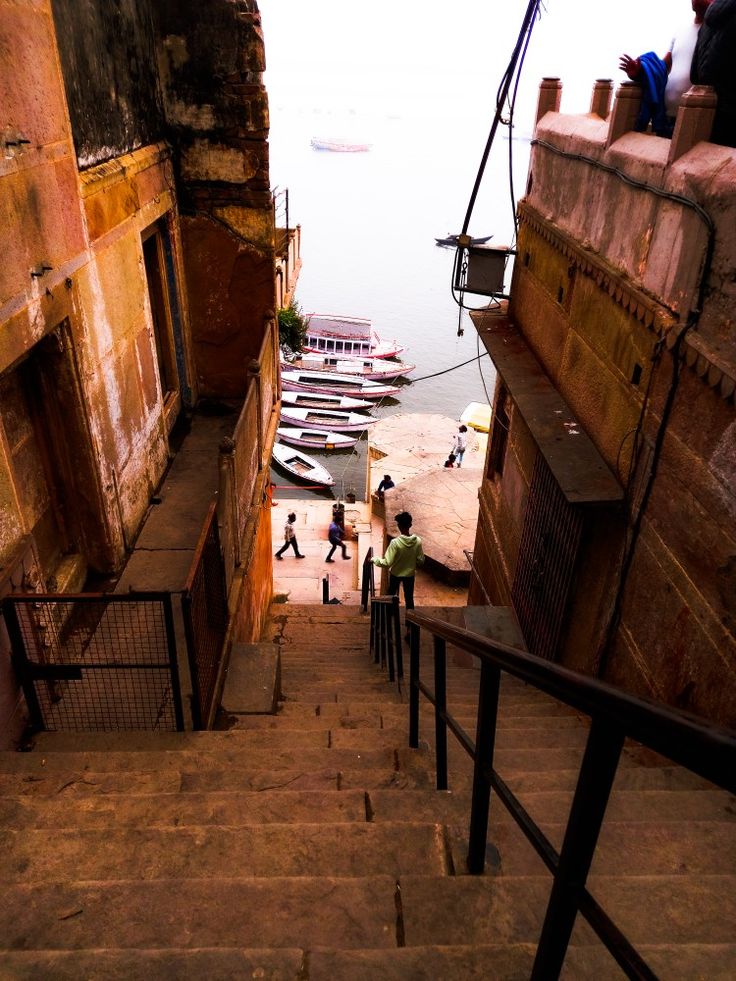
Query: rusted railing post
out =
(600, 101)
(254, 378)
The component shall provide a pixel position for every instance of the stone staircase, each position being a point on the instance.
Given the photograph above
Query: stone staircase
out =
(311, 845)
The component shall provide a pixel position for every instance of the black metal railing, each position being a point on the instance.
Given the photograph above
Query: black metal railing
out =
(615, 716)
(385, 643)
(204, 607)
(367, 582)
(96, 661)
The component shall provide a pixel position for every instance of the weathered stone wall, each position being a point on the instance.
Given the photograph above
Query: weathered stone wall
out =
(254, 591)
(605, 280)
(211, 63)
(108, 60)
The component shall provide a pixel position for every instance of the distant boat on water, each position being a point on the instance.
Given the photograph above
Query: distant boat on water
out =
(450, 241)
(339, 146)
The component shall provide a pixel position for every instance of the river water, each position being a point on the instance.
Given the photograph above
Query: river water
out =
(369, 220)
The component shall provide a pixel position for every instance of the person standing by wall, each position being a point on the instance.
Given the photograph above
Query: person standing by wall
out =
(714, 63)
(402, 557)
(460, 445)
(290, 538)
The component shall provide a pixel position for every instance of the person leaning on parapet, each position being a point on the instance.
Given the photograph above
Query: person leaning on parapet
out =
(290, 538)
(459, 445)
(665, 80)
(714, 63)
(402, 557)
(386, 484)
(335, 536)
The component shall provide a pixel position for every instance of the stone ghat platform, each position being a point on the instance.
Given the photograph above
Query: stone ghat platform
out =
(443, 502)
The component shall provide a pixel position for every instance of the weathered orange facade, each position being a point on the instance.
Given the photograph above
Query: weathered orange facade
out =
(616, 357)
(138, 272)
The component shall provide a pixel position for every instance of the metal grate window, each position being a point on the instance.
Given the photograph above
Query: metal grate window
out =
(547, 560)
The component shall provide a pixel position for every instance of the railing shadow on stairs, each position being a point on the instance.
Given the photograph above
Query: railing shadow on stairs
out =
(615, 715)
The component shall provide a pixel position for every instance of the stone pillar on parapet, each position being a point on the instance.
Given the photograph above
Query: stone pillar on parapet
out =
(694, 120)
(550, 96)
(600, 102)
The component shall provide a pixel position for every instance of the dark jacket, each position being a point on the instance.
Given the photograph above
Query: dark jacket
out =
(714, 63)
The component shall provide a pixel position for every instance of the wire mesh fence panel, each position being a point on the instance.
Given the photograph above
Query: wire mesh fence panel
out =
(96, 662)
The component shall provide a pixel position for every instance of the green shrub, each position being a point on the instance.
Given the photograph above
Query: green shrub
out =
(292, 326)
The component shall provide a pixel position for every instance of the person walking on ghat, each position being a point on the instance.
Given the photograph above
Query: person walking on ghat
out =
(459, 445)
(335, 536)
(402, 557)
(290, 538)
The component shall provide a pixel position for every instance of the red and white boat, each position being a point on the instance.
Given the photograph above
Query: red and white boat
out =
(313, 400)
(339, 336)
(325, 419)
(334, 384)
(376, 369)
(316, 439)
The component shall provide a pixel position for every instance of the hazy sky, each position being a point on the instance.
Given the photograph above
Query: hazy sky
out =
(337, 50)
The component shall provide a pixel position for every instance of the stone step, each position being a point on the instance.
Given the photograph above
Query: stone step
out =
(283, 738)
(662, 909)
(486, 962)
(661, 807)
(253, 679)
(335, 850)
(682, 848)
(505, 738)
(150, 914)
(169, 810)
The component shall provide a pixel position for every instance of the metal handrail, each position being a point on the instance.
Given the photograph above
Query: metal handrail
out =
(367, 582)
(694, 743)
(385, 643)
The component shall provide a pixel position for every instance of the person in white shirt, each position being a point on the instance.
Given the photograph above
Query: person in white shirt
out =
(459, 445)
(290, 538)
(677, 60)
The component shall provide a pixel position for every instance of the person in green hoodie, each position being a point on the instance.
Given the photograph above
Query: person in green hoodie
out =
(402, 557)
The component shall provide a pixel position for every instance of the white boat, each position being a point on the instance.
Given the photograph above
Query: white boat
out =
(375, 369)
(329, 333)
(337, 145)
(317, 439)
(301, 466)
(311, 400)
(326, 419)
(334, 384)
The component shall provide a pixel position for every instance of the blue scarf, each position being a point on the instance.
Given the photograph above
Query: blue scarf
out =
(653, 83)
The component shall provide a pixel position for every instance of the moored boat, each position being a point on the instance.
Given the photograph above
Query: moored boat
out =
(338, 145)
(301, 466)
(326, 419)
(451, 241)
(312, 400)
(352, 336)
(334, 384)
(375, 369)
(317, 439)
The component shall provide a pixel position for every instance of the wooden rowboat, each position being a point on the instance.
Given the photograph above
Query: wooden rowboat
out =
(375, 369)
(317, 439)
(326, 419)
(334, 384)
(301, 466)
(311, 400)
